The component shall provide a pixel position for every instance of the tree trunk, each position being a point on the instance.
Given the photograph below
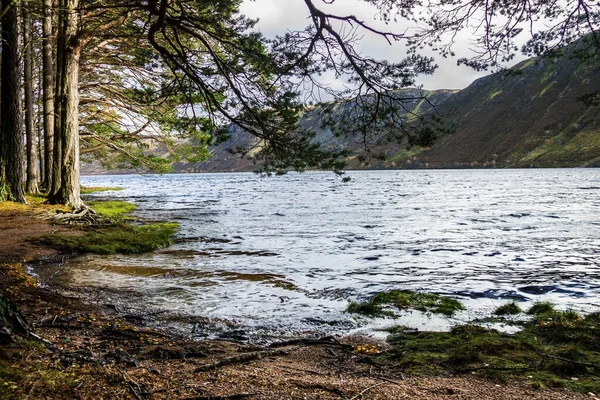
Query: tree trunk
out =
(40, 125)
(32, 167)
(68, 92)
(10, 102)
(54, 188)
(48, 92)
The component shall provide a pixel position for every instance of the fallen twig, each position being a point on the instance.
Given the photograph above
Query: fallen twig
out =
(367, 389)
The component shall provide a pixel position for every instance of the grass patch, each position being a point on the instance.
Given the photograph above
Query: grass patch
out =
(112, 208)
(405, 300)
(553, 348)
(94, 189)
(543, 307)
(510, 308)
(119, 238)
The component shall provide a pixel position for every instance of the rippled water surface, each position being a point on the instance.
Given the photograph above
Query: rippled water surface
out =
(286, 254)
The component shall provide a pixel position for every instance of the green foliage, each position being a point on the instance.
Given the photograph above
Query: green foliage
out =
(4, 191)
(119, 238)
(404, 300)
(510, 308)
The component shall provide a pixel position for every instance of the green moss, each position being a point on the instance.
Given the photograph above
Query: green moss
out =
(510, 308)
(552, 349)
(112, 208)
(369, 308)
(118, 238)
(404, 300)
(94, 189)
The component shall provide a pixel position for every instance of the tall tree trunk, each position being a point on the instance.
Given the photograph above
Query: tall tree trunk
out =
(40, 124)
(48, 92)
(59, 72)
(32, 167)
(10, 102)
(69, 110)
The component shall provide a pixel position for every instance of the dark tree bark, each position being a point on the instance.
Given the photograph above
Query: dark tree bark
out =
(40, 123)
(10, 101)
(67, 93)
(32, 167)
(48, 92)
(55, 166)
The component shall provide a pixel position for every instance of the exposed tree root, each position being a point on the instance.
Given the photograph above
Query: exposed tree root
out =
(327, 340)
(82, 216)
(242, 358)
(12, 322)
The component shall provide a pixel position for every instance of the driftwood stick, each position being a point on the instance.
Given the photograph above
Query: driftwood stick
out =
(242, 358)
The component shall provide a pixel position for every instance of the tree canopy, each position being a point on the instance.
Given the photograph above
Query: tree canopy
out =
(119, 73)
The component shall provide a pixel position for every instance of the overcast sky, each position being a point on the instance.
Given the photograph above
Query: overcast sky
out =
(278, 16)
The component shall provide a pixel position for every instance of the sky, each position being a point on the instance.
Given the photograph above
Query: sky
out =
(278, 16)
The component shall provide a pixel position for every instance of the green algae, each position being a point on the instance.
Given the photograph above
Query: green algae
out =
(405, 300)
(510, 308)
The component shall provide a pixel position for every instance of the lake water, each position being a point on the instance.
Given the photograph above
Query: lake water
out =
(285, 255)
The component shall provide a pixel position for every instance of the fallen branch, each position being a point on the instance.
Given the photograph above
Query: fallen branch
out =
(225, 397)
(242, 358)
(131, 386)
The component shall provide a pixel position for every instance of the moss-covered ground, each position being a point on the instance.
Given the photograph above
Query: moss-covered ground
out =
(118, 233)
(112, 208)
(554, 349)
(117, 238)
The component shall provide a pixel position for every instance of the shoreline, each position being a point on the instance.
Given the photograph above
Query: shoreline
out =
(99, 353)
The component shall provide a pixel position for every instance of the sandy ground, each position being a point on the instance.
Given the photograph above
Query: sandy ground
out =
(114, 356)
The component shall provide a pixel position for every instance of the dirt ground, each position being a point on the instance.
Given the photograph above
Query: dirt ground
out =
(92, 352)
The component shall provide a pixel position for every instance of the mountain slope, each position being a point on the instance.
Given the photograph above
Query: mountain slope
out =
(530, 118)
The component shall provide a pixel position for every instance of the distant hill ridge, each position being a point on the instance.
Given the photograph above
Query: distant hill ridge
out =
(529, 119)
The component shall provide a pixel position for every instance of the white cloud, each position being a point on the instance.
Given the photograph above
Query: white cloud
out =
(279, 16)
